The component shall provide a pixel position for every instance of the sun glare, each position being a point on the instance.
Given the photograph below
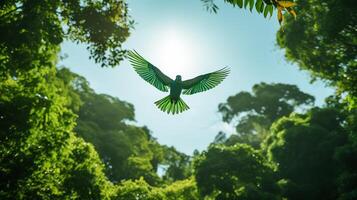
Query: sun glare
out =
(175, 53)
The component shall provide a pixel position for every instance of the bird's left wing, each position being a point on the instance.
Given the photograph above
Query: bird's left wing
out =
(149, 72)
(204, 82)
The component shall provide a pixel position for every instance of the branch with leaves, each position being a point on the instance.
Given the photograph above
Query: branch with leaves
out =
(264, 7)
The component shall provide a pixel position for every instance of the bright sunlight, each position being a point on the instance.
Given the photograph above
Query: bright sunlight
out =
(175, 53)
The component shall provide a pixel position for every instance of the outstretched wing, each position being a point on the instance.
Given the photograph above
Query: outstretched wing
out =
(204, 82)
(149, 72)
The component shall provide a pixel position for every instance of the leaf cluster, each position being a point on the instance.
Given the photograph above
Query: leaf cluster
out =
(322, 41)
(253, 113)
(264, 7)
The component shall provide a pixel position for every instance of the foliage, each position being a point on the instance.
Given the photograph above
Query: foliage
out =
(303, 146)
(178, 164)
(257, 111)
(137, 189)
(235, 172)
(347, 179)
(346, 154)
(40, 156)
(263, 7)
(322, 40)
(34, 25)
(210, 6)
(182, 190)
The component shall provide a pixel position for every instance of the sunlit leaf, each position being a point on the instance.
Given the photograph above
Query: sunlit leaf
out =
(286, 4)
(280, 15)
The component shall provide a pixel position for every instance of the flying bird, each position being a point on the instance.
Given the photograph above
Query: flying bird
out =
(173, 103)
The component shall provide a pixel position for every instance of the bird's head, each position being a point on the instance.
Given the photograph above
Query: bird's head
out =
(178, 78)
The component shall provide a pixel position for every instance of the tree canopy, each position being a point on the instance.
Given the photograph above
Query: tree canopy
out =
(29, 28)
(322, 40)
(303, 146)
(60, 139)
(235, 172)
(256, 111)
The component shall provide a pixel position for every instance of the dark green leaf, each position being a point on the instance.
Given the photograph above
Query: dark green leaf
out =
(262, 7)
(251, 5)
(258, 5)
(271, 10)
(266, 10)
(239, 3)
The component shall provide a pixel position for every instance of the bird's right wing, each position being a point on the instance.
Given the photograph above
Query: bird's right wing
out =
(149, 72)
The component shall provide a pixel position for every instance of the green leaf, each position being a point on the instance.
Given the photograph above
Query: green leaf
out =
(251, 5)
(266, 10)
(246, 3)
(262, 8)
(239, 3)
(258, 5)
(271, 10)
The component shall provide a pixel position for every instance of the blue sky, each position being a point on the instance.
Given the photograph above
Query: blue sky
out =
(181, 37)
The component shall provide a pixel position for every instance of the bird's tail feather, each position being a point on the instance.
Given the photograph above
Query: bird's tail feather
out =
(170, 106)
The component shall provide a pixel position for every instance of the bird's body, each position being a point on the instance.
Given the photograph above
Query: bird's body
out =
(176, 88)
(173, 102)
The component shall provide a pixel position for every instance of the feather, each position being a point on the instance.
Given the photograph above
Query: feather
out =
(204, 82)
(149, 72)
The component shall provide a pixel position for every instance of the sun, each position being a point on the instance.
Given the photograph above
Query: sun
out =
(175, 53)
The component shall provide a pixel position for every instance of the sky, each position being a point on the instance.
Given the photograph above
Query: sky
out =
(181, 37)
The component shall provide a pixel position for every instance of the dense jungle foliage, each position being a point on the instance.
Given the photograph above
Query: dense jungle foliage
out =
(59, 139)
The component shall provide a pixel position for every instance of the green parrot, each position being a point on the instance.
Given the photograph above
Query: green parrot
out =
(173, 103)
